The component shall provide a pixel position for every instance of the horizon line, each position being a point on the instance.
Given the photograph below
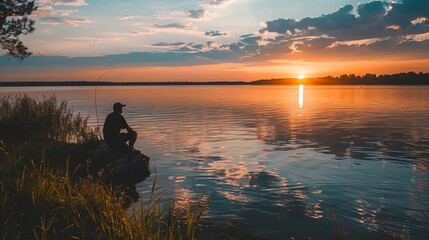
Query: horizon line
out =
(345, 79)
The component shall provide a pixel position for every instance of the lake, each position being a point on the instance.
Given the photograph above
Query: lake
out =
(319, 161)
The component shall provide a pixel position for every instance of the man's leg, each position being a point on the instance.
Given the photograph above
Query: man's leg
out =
(133, 139)
(123, 138)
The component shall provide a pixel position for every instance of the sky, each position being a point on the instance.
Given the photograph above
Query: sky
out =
(221, 40)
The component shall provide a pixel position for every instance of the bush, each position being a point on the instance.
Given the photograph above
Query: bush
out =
(24, 118)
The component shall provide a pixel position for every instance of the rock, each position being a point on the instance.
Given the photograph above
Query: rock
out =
(126, 166)
(2, 149)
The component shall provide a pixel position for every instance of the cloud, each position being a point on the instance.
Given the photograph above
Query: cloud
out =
(403, 13)
(181, 57)
(339, 21)
(372, 11)
(215, 34)
(355, 42)
(48, 14)
(167, 15)
(185, 28)
(197, 14)
(208, 8)
(171, 25)
(70, 2)
(125, 17)
(135, 33)
(72, 22)
(251, 39)
(194, 14)
(163, 44)
(49, 11)
(191, 47)
(63, 2)
(218, 2)
(87, 41)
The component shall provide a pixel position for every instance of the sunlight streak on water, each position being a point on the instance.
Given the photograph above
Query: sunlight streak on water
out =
(301, 95)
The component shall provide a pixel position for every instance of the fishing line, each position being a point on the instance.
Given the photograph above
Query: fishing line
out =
(95, 100)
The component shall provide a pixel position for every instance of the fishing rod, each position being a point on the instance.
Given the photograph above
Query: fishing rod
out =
(95, 99)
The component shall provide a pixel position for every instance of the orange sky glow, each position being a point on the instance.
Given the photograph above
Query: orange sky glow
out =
(225, 71)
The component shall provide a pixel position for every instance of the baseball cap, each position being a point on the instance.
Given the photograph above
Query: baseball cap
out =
(118, 106)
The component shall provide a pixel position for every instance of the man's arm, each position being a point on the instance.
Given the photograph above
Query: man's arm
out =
(129, 129)
(125, 125)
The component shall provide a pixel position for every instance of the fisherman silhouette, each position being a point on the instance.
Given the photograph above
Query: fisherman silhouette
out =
(113, 125)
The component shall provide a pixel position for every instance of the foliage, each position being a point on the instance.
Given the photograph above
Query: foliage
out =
(14, 21)
(40, 202)
(23, 118)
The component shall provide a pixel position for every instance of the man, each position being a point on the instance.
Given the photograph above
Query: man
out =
(112, 130)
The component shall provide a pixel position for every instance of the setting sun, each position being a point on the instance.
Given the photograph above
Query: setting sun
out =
(301, 76)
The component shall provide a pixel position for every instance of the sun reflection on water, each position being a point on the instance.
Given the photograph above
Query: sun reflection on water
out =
(301, 95)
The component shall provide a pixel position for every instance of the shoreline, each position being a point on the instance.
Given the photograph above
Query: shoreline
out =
(399, 79)
(122, 84)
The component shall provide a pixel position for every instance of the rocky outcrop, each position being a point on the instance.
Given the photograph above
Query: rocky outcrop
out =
(123, 167)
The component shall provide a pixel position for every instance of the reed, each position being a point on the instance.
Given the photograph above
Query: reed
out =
(24, 118)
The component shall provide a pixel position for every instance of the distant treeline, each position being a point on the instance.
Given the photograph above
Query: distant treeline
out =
(410, 78)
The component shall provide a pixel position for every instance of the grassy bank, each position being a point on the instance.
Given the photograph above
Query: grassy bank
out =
(46, 198)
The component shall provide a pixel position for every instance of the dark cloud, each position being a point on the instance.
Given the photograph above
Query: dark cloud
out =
(372, 11)
(338, 22)
(215, 34)
(199, 46)
(247, 35)
(182, 56)
(373, 20)
(281, 26)
(237, 46)
(378, 29)
(197, 14)
(251, 40)
(404, 12)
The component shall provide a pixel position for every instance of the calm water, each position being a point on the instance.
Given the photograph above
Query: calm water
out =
(283, 160)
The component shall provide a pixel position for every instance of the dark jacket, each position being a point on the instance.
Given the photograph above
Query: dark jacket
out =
(112, 127)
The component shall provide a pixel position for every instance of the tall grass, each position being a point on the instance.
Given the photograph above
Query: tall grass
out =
(41, 202)
(24, 118)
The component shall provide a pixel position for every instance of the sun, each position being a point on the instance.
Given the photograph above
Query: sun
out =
(301, 76)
